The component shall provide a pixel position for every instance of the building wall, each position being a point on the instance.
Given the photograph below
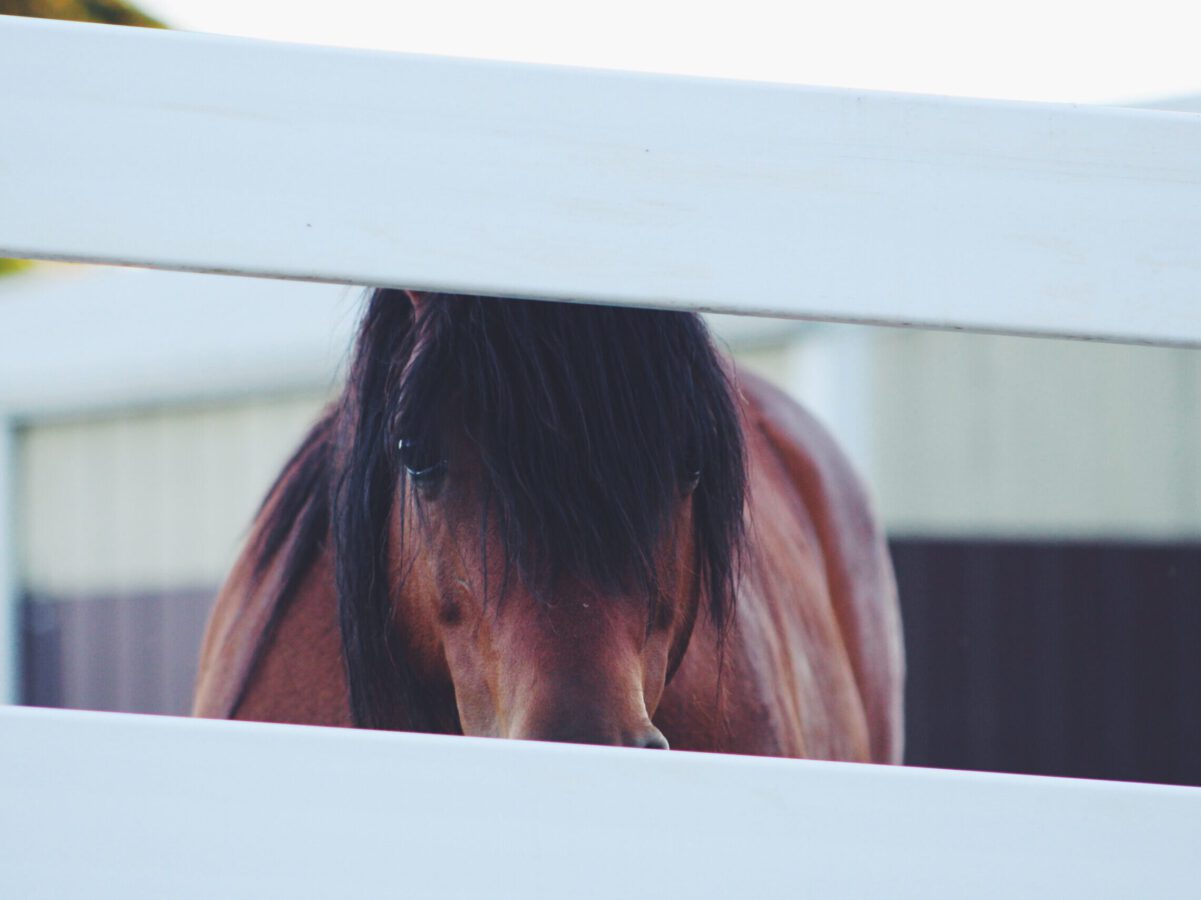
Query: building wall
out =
(1013, 437)
(1074, 658)
(148, 501)
(1031, 437)
(127, 524)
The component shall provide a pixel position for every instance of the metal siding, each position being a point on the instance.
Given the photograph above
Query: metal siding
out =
(120, 654)
(996, 436)
(149, 501)
(128, 523)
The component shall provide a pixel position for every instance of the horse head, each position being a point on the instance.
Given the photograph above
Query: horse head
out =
(533, 504)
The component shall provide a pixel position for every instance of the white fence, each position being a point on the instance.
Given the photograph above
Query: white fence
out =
(212, 154)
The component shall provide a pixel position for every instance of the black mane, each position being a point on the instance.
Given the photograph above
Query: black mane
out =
(587, 422)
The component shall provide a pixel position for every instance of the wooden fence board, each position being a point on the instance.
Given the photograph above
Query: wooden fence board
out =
(189, 151)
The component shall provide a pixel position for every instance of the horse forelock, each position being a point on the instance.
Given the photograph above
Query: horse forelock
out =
(585, 421)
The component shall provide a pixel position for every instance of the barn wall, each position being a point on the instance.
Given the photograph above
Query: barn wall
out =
(122, 653)
(996, 436)
(1032, 437)
(150, 501)
(1053, 658)
(127, 524)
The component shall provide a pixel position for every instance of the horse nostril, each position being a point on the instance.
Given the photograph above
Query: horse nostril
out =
(591, 732)
(652, 739)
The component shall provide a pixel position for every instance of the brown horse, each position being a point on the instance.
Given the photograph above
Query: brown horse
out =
(563, 522)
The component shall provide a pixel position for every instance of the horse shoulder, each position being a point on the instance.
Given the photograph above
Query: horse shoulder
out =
(300, 676)
(858, 568)
(286, 670)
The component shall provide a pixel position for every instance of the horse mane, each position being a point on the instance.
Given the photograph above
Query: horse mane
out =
(587, 421)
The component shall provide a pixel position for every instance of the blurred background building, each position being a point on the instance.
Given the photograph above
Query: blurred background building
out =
(1042, 499)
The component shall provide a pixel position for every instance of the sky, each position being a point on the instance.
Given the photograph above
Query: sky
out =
(1055, 50)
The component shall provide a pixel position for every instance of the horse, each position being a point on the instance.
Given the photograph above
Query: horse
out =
(565, 522)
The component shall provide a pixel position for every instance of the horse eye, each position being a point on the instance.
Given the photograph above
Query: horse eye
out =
(690, 481)
(424, 473)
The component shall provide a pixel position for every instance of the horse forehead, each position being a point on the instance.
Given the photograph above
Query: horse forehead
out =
(570, 628)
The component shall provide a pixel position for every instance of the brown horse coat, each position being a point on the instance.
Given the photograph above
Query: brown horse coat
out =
(811, 667)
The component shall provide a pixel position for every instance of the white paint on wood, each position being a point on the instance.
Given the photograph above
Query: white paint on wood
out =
(125, 806)
(197, 152)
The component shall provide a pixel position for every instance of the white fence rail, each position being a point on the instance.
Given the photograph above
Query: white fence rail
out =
(216, 154)
(127, 806)
(189, 152)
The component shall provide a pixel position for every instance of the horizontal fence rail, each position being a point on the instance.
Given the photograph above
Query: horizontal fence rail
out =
(157, 807)
(206, 153)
